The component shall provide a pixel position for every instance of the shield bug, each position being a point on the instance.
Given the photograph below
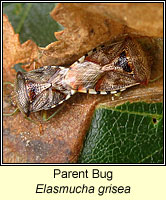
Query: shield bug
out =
(41, 89)
(110, 68)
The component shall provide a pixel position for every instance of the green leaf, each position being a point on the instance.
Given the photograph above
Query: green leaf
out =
(129, 133)
(32, 21)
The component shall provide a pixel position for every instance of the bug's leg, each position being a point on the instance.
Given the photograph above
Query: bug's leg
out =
(117, 94)
(155, 79)
(45, 114)
(36, 64)
(31, 120)
(17, 109)
(11, 114)
(38, 124)
(8, 83)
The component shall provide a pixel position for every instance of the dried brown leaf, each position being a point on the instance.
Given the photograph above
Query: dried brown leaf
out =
(13, 51)
(84, 31)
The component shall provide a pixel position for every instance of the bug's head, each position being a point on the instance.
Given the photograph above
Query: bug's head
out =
(132, 61)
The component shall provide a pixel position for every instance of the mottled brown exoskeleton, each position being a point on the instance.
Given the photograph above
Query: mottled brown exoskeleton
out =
(107, 69)
(41, 89)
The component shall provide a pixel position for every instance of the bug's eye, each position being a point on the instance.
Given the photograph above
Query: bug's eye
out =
(123, 62)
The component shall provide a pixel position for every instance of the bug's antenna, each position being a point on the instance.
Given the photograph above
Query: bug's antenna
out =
(11, 114)
(45, 114)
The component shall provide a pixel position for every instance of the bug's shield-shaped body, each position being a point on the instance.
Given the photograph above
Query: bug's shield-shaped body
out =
(41, 89)
(110, 68)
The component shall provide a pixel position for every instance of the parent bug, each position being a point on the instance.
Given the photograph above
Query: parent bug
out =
(110, 68)
(41, 89)
(107, 69)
